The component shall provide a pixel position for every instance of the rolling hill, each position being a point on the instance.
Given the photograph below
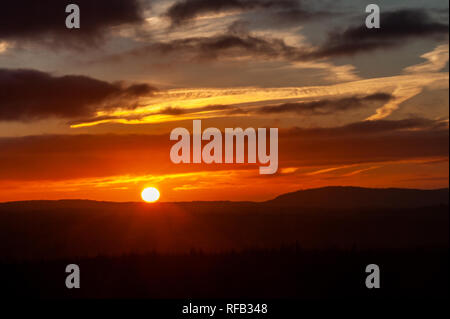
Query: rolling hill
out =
(342, 217)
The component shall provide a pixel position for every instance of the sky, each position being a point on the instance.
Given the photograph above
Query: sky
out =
(87, 113)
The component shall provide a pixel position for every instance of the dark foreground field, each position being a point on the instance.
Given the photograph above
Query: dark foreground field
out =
(309, 244)
(288, 272)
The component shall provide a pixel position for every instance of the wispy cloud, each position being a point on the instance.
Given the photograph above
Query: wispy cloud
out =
(436, 61)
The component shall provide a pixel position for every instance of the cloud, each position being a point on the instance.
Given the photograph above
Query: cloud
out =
(396, 26)
(185, 11)
(44, 21)
(238, 43)
(374, 128)
(202, 103)
(30, 95)
(365, 142)
(58, 157)
(182, 111)
(317, 107)
(402, 94)
(326, 106)
(224, 45)
(3, 46)
(436, 61)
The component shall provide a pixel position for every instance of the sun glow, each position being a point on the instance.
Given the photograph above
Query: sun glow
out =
(150, 194)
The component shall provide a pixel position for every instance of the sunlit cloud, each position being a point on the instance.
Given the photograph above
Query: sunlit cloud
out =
(436, 61)
(402, 94)
(289, 170)
(359, 171)
(327, 170)
(4, 46)
(402, 87)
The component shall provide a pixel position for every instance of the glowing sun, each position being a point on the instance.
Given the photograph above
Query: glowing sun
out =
(150, 194)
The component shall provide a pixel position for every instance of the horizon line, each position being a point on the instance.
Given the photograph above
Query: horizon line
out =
(216, 201)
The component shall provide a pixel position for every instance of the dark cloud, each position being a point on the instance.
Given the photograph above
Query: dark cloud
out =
(54, 157)
(44, 21)
(181, 111)
(77, 156)
(237, 41)
(186, 10)
(395, 28)
(371, 128)
(228, 44)
(29, 95)
(366, 142)
(326, 106)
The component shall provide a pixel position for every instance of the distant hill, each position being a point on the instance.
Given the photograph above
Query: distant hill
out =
(358, 197)
(318, 218)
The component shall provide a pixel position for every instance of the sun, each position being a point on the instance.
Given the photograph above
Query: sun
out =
(150, 194)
